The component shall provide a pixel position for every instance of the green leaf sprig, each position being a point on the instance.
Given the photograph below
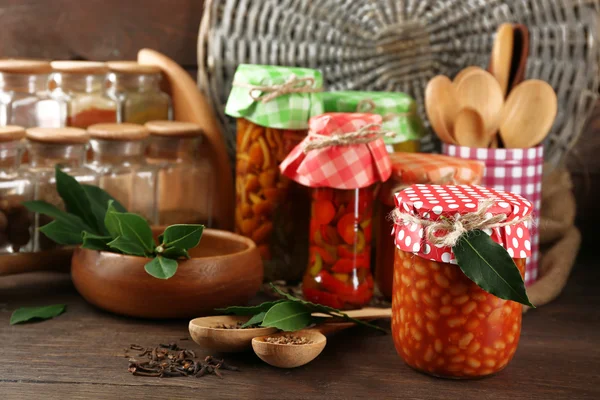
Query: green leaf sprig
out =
(96, 221)
(291, 314)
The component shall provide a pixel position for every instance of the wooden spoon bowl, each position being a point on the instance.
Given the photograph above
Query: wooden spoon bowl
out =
(225, 269)
(290, 355)
(206, 332)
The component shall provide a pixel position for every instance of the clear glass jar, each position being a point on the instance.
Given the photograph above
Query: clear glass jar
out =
(24, 96)
(16, 186)
(185, 173)
(136, 88)
(47, 148)
(119, 158)
(271, 209)
(339, 273)
(445, 325)
(82, 86)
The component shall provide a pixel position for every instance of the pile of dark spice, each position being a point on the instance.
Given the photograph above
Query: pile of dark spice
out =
(168, 360)
(238, 325)
(288, 339)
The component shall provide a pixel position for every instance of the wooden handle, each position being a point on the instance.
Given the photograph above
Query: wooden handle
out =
(370, 313)
(191, 106)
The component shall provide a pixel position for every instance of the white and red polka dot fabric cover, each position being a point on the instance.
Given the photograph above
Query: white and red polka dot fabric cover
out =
(434, 201)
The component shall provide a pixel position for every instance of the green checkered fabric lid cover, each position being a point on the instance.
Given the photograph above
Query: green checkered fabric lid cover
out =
(287, 111)
(399, 111)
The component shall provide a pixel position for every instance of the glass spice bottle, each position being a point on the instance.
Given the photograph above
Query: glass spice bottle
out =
(50, 147)
(443, 323)
(119, 158)
(409, 169)
(343, 159)
(271, 209)
(136, 88)
(185, 173)
(24, 96)
(16, 186)
(82, 86)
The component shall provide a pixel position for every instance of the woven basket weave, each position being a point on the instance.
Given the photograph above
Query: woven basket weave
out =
(396, 45)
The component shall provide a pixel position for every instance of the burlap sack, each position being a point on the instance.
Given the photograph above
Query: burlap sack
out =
(559, 238)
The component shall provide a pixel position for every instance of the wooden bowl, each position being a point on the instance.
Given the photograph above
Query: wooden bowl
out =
(225, 269)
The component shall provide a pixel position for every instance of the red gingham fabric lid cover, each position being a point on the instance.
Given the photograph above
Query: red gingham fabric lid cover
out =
(340, 167)
(434, 201)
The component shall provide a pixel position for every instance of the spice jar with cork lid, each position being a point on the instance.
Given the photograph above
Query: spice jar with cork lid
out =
(136, 88)
(343, 159)
(185, 173)
(409, 169)
(50, 148)
(82, 86)
(272, 105)
(458, 278)
(16, 186)
(24, 95)
(119, 158)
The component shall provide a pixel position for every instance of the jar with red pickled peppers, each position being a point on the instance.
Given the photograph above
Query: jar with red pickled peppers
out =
(272, 105)
(458, 278)
(343, 159)
(408, 169)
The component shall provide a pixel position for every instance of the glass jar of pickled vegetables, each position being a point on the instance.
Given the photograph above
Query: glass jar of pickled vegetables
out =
(119, 158)
(24, 96)
(82, 86)
(185, 173)
(16, 186)
(408, 169)
(272, 105)
(398, 110)
(48, 148)
(343, 159)
(136, 88)
(458, 278)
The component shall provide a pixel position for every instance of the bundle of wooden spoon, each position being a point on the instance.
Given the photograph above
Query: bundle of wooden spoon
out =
(483, 109)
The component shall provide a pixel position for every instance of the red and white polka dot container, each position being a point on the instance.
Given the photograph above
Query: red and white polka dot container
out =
(518, 171)
(443, 323)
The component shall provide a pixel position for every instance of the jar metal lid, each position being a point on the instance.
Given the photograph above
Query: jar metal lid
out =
(173, 128)
(132, 67)
(58, 135)
(24, 66)
(11, 133)
(118, 132)
(80, 67)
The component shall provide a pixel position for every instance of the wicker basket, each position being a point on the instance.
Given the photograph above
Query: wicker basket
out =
(398, 45)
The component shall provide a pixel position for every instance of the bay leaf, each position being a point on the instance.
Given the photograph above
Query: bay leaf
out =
(249, 310)
(161, 267)
(255, 320)
(75, 199)
(95, 242)
(127, 246)
(62, 233)
(184, 236)
(489, 265)
(288, 316)
(175, 253)
(25, 314)
(132, 227)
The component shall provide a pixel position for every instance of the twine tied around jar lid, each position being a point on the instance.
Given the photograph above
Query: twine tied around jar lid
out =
(447, 230)
(368, 105)
(361, 136)
(292, 85)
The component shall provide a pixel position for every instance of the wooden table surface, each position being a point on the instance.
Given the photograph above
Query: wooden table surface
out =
(80, 355)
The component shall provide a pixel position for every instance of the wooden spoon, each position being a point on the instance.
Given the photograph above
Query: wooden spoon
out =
(441, 106)
(528, 114)
(206, 333)
(469, 129)
(520, 55)
(502, 56)
(292, 356)
(481, 91)
(465, 72)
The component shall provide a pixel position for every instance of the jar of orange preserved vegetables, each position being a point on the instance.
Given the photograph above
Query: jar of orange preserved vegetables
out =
(409, 169)
(458, 278)
(272, 105)
(343, 159)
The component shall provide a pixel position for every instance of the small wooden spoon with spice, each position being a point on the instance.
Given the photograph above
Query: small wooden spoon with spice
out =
(294, 349)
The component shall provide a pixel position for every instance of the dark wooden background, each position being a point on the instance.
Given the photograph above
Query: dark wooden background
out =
(117, 29)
